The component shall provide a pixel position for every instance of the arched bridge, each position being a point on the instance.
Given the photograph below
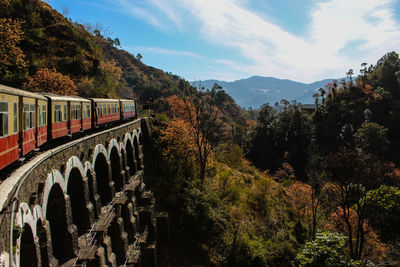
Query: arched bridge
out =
(83, 203)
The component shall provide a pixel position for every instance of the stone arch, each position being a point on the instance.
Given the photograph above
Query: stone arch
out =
(75, 183)
(73, 162)
(114, 152)
(56, 214)
(28, 256)
(130, 160)
(113, 144)
(25, 217)
(37, 213)
(101, 166)
(54, 177)
(41, 234)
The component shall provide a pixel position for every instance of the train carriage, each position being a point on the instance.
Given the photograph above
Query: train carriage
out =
(128, 109)
(22, 128)
(68, 115)
(105, 111)
(58, 116)
(79, 114)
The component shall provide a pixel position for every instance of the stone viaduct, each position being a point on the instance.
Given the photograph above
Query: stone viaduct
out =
(83, 203)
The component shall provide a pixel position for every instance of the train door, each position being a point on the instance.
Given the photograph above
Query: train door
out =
(29, 125)
(42, 122)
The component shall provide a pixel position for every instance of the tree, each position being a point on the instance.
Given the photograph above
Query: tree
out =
(12, 58)
(139, 57)
(371, 137)
(328, 249)
(357, 173)
(299, 196)
(205, 129)
(372, 248)
(111, 75)
(179, 148)
(49, 80)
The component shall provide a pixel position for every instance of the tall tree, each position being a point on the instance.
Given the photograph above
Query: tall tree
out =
(205, 128)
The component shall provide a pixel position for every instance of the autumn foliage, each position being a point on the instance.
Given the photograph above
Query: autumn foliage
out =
(11, 56)
(299, 196)
(50, 81)
(180, 147)
(374, 249)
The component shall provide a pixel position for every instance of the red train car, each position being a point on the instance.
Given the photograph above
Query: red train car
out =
(23, 123)
(128, 109)
(105, 111)
(79, 114)
(68, 115)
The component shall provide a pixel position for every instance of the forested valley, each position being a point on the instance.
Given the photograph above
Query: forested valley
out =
(242, 187)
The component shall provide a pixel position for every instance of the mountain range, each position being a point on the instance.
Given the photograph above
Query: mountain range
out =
(257, 90)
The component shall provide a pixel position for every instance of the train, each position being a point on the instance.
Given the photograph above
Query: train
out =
(30, 120)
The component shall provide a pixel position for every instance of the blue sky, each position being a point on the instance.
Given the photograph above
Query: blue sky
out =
(302, 40)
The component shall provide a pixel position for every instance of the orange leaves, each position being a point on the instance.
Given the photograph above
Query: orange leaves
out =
(373, 95)
(251, 124)
(179, 143)
(374, 249)
(11, 56)
(181, 109)
(49, 80)
(111, 68)
(299, 195)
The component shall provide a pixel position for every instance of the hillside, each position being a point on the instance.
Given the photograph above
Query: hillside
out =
(46, 39)
(256, 90)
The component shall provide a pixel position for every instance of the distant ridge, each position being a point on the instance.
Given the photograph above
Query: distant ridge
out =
(257, 90)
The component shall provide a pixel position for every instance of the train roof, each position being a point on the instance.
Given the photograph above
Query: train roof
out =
(13, 91)
(55, 97)
(127, 100)
(105, 100)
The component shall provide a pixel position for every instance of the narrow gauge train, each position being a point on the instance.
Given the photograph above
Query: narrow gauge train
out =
(29, 120)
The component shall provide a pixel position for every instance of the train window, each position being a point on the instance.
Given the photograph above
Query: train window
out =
(104, 109)
(65, 113)
(15, 117)
(79, 111)
(32, 113)
(4, 118)
(74, 112)
(39, 117)
(26, 116)
(44, 118)
(108, 109)
(57, 113)
(87, 111)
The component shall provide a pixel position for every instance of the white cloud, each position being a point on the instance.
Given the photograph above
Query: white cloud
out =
(160, 50)
(341, 34)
